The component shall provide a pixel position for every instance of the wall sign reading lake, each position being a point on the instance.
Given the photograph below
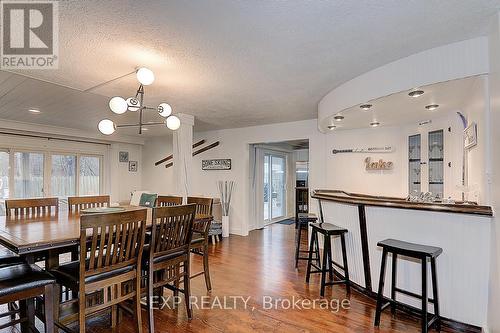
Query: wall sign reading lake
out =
(378, 165)
(217, 164)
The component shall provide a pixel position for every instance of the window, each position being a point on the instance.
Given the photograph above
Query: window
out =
(90, 172)
(63, 176)
(25, 174)
(28, 175)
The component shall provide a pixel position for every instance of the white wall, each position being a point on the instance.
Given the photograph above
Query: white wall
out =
(123, 181)
(476, 109)
(157, 179)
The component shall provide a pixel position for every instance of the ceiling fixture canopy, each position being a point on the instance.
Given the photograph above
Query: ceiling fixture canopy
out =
(338, 118)
(374, 124)
(432, 107)
(416, 93)
(120, 105)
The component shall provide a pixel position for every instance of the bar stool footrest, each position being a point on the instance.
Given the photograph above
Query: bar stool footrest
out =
(411, 294)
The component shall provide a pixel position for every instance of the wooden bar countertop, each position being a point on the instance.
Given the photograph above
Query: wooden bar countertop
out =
(393, 202)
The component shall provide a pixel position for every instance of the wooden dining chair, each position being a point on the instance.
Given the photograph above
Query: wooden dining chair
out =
(168, 200)
(21, 282)
(203, 205)
(199, 243)
(77, 204)
(28, 208)
(112, 266)
(167, 261)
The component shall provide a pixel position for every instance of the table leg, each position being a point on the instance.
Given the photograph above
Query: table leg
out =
(27, 307)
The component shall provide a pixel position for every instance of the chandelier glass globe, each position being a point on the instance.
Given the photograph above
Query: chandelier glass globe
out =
(164, 110)
(118, 105)
(133, 104)
(106, 127)
(145, 76)
(173, 123)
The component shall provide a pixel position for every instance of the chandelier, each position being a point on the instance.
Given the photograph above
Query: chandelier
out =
(120, 105)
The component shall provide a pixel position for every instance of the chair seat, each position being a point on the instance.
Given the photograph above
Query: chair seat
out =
(328, 228)
(21, 277)
(197, 240)
(410, 249)
(166, 257)
(68, 274)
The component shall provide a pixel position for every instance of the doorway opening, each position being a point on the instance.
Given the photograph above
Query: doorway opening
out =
(277, 170)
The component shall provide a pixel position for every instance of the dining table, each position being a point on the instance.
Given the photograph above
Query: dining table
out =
(49, 236)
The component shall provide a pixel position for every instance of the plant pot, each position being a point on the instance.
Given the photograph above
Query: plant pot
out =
(225, 226)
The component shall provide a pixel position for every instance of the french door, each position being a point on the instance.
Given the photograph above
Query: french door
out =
(274, 187)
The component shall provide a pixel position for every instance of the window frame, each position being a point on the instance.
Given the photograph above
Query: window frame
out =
(47, 165)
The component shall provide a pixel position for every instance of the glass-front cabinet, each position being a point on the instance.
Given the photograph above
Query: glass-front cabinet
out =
(426, 163)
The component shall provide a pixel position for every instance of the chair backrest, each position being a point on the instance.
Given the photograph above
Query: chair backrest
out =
(38, 207)
(117, 241)
(203, 205)
(172, 229)
(168, 200)
(76, 204)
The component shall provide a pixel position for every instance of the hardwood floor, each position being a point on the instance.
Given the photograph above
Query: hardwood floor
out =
(262, 265)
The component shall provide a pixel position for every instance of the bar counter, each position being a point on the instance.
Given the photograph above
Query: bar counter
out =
(463, 231)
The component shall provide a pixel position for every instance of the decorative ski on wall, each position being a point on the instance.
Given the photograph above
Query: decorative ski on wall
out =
(169, 157)
(386, 149)
(196, 152)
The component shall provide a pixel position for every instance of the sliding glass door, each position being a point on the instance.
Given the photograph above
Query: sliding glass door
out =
(274, 187)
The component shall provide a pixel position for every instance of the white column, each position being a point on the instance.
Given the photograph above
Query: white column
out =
(183, 154)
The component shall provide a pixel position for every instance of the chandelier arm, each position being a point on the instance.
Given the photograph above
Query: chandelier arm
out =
(141, 92)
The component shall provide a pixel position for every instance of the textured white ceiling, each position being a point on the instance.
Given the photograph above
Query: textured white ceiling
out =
(238, 63)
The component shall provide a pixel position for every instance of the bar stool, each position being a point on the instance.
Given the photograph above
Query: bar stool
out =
(328, 230)
(417, 251)
(303, 220)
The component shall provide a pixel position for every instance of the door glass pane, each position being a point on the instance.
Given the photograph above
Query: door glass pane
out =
(436, 159)
(28, 175)
(278, 186)
(4, 180)
(90, 175)
(267, 188)
(63, 178)
(414, 169)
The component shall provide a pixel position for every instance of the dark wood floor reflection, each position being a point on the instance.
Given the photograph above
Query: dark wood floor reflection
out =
(257, 266)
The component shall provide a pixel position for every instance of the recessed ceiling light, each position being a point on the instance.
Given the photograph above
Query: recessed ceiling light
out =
(432, 107)
(416, 93)
(365, 106)
(34, 111)
(374, 124)
(331, 127)
(338, 118)
(145, 129)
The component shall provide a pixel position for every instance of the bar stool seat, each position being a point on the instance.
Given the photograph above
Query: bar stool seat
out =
(328, 230)
(411, 249)
(303, 220)
(416, 251)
